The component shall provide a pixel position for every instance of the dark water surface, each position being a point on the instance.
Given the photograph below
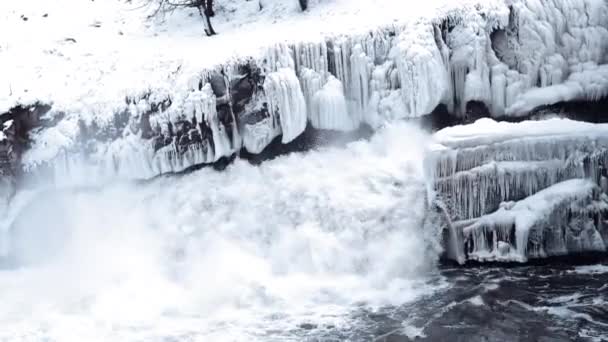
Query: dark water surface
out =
(554, 302)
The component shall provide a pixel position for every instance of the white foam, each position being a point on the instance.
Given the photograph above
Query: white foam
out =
(591, 269)
(303, 237)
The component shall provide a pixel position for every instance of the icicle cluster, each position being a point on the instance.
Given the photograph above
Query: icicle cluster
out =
(514, 196)
(563, 219)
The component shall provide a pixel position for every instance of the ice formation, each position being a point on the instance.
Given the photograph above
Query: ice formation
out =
(511, 58)
(493, 176)
(563, 219)
(286, 102)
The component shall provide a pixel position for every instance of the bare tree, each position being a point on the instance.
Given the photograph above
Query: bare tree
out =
(205, 8)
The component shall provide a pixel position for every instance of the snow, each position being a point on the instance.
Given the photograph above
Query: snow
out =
(115, 44)
(400, 61)
(487, 131)
(118, 52)
(257, 136)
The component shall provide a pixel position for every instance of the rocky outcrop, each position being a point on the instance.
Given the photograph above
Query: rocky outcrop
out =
(14, 140)
(474, 62)
(515, 191)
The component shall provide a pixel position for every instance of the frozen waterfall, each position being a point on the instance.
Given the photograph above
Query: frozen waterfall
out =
(526, 190)
(510, 58)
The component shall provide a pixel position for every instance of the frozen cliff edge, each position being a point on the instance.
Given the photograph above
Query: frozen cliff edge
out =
(522, 191)
(511, 57)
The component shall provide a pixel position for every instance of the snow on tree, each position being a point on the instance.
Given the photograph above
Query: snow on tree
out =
(205, 8)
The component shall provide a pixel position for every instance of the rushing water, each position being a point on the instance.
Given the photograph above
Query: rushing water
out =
(231, 255)
(329, 245)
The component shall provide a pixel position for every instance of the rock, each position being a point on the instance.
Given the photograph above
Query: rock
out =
(308, 326)
(218, 84)
(14, 140)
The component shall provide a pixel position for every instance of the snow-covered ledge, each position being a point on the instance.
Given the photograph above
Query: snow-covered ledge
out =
(508, 56)
(515, 191)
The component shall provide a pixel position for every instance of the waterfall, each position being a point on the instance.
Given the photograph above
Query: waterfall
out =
(304, 237)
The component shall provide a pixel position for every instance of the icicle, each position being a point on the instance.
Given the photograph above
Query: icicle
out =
(341, 57)
(312, 56)
(499, 88)
(312, 82)
(358, 88)
(286, 102)
(329, 110)
(280, 56)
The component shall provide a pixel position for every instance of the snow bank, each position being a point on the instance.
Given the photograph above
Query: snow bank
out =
(487, 131)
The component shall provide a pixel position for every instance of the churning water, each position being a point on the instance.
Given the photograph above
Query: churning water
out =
(329, 245)
(249, 253)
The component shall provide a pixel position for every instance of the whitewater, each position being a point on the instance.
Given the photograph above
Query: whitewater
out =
(248, 253)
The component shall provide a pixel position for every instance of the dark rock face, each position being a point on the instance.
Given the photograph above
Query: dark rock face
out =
(476, 110)
(439, 118)
(14, 140)
(186, 137)
(589, 111)
(310, 139)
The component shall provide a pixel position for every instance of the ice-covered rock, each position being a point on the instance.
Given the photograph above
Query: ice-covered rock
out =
(422, 71)
(535, 185)
(509, 57)
(565, 218)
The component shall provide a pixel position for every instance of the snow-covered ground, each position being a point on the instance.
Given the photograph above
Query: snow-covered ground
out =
(77, 53)
(73, 52)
